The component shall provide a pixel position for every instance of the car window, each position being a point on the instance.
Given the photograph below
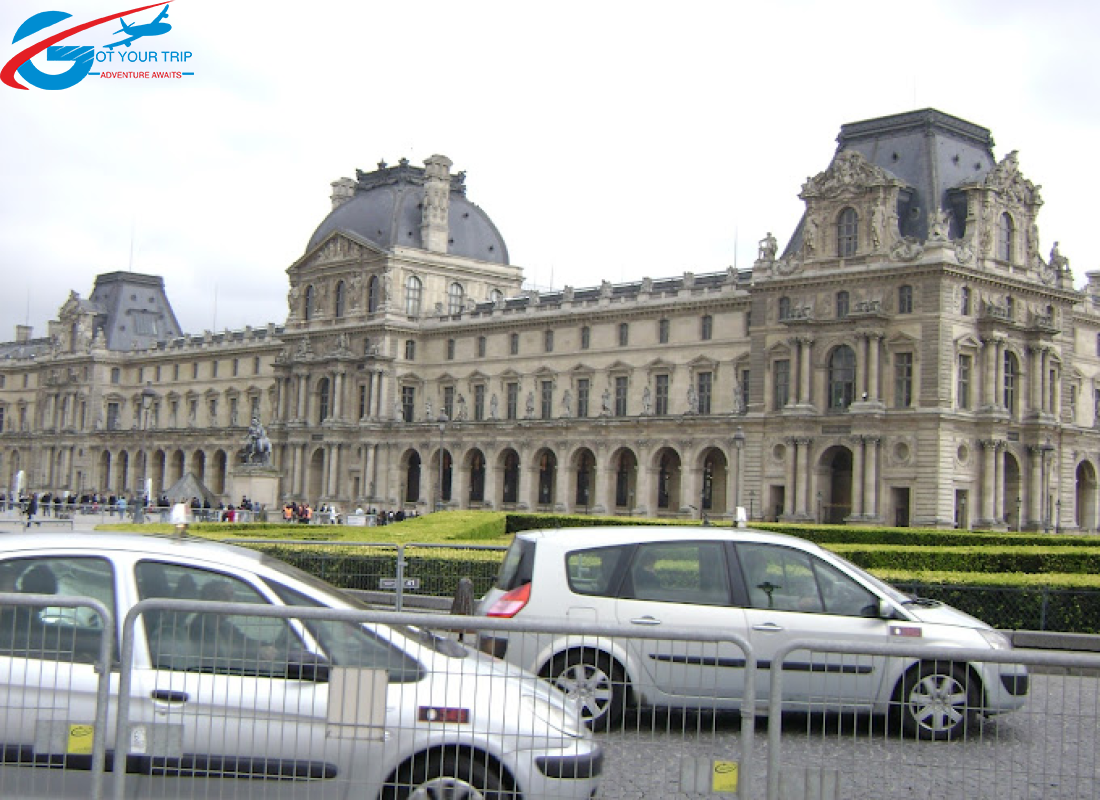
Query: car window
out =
(52, 632)
(779, 578)
(679, 572)
(842, 595)
(593, 571)
(516, 569)
(206, 641)
(347, 644)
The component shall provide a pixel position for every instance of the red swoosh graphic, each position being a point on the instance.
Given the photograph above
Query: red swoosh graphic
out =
(7, 74)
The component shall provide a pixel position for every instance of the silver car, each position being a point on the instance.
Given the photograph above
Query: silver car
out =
(231, 704)
(768, 588)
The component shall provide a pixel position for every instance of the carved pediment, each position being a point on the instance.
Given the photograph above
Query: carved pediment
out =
(849, 174)
(1006, 179)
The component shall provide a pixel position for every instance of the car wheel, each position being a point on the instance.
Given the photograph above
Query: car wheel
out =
(595, 682)
(450, 775)
(938, 701)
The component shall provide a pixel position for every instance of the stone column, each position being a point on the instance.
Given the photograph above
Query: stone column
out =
(999, 483)
(1035, 380)
(691, 489)
(998, 386)
(858, 467)
(870, 478)
(300, 409)
(492, 481)
(645, 489)
(989, 468)
(873, 364)
(792, 472)
(529, 485)
(338, 396)
(604, 486)
(804, 387)
(804, 466)
(1044, 376)
(988, 373)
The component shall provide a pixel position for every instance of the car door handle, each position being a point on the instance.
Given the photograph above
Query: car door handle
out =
(170, 697)
(645, 621)
(768, 627)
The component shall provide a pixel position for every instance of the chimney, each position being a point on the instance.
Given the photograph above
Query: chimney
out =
(434, 230)
(343, 189)
(23, 334)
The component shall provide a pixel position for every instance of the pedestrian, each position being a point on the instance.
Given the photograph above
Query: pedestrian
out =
(179, 518)
(32, 509)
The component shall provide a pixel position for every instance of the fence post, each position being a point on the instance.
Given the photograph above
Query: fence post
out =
(399, 602)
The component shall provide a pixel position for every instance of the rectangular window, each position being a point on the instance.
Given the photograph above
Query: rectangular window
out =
(705, 383)
(175, 372)
(624, 334)
(706, 328)
(1, 419)
(213, 409)
(548, 341)
(410, 350)
(236, 367)
(481, 347)
(254, 406)
(744, 391)
(660, 400)
(116, 376)
(214, 368)
(479, 402)
(449, 401)
(1052, 386)
(963, 390)
(408, 403)
(141, 375)
(905, 300)
(620, 396)
(157, 373)
(195, 370)
(512, 401)
(903, 380)
(113, 416)
(450, 349)
(663, 328)
(1073, 401)
(362, 400)
(547, 399)
(586, 337)
(781, 390)
(583, 388)
(256, 365)
(513, 344)
(748, 322)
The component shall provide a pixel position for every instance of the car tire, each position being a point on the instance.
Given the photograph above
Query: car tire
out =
(938, 701)
(457, 775)
(595, 681)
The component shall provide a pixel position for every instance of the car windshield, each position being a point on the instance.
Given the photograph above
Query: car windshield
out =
(882, 586)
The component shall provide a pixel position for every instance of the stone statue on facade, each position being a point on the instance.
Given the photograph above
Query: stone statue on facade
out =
(567, 404)
(530, 409)
(738, 396)
(768, 247)
(1058, 262)
(605, 403)
(647, 402)
(494, 408)
(257, 447)
(460, 413)
(693, 400)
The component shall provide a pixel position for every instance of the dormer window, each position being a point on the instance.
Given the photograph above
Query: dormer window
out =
(413, 289)
(847, 233)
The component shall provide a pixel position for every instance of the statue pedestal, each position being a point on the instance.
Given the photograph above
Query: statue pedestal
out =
(259, 483)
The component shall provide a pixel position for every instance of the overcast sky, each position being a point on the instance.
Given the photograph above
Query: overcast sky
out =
(607, 140)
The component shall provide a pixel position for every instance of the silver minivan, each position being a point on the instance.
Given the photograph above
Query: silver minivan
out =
(769, 588)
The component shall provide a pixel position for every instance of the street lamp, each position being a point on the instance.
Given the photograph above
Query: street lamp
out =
(147, 397)
(819, 501)
(1058, 515)
(739, 447)
(442, 420)
(1019, 501)
(1045, 450)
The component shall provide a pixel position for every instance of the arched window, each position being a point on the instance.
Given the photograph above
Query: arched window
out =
(374, 289)
(340, 293)
(307, 309)
(413, 289)
(784, 308)
(412, 479)
(847, 233)
(323, 394)
(477, 478)
(1012, 374)
(1006, 235)
(496, 296)
(455, 297)
(842, 377)
(1010, 307)
(842, 304)
(511, 478)
(964, 301)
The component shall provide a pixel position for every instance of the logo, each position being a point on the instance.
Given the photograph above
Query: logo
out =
(82, 56)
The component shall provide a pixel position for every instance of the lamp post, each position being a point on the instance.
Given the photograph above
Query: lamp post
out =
(442, 420)
(1058, 515)
(1045, 450)
(1019, 502)
(147, 396)
(819, 507)
(739, 448)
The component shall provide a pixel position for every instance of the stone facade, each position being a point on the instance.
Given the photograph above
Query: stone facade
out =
(910, 356)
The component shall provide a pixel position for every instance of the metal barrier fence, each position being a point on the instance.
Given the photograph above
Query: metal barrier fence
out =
(232, 700)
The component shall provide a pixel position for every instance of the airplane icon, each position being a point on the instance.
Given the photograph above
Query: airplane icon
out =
(135, 32)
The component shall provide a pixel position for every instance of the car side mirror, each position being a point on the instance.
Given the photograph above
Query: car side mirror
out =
(886, 609)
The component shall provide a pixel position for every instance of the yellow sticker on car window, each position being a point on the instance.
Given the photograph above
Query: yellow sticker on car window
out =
(80, 739)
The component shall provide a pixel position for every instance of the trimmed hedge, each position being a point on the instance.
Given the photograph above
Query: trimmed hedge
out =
(1082, 560)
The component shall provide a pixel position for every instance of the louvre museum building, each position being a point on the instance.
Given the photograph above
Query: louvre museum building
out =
(910, 355)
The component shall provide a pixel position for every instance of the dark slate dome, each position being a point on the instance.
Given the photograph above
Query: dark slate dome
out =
(384, 207)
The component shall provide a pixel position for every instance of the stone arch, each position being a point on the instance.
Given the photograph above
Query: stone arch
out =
(122, 472)
(315, 475)
(508, 463)
(623, 475)
(198, 466)
(175, 469)
(1085, 496)
(546, 477)
(159, 460)
(833, 501)
(221, 468)
(474, 464)
(102, 477)
(583, 466)
(442, 478)
(713, 481)
(668, 487)
(410, 469)
(1013, 502)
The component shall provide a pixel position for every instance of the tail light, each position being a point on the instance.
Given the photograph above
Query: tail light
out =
(510, 603)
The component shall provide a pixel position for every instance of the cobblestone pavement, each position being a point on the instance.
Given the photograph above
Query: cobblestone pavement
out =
(1047, 750)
